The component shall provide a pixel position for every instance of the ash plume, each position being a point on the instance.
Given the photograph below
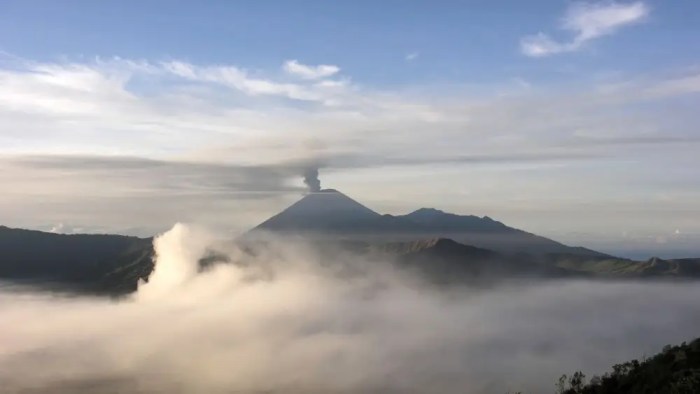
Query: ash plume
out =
(311, 180)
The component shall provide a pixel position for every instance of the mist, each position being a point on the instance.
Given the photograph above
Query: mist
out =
(285, 320)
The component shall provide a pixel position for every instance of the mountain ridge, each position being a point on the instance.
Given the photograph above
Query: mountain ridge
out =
(331, 214)
(443, 247)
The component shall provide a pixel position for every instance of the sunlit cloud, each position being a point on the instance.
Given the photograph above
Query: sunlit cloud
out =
(304, 71)
(587, 21)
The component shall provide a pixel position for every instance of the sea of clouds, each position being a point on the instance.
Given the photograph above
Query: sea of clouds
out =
(287, 320)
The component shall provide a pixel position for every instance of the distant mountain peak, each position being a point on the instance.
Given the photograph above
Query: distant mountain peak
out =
(326, 209)
(427, 211)
(434, 244)
(329, 213)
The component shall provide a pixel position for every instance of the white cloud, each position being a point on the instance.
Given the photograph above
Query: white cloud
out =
(587, 21)
(540, 44)
(595, 20)
(412, 56)
(289, 322)
(236, 78)
(223, 114)
(304, 71)
(61, 228)
(57, 229)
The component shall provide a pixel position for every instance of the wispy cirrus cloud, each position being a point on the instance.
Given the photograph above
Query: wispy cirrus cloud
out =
(293, 67)
(239, 79)
(587, 21)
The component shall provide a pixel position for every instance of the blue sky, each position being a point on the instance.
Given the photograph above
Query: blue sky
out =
(576, 120)
(455, 41)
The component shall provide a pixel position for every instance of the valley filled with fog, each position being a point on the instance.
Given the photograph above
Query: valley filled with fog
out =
(349, 197)
(285, 319)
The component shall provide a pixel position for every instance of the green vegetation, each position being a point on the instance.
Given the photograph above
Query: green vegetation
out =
(676, 370)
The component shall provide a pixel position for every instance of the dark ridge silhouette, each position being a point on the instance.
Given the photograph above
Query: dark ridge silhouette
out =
(488, 233)
(676, 370)
(79, 261)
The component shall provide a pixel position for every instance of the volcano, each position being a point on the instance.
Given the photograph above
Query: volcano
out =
(332, 214)
(442, 247)
(325, 211)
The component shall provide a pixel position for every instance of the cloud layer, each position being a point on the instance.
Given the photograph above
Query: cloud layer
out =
(587, 21)
(251, 133)
(287, 321)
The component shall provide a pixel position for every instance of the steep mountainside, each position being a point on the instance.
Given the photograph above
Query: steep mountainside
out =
(487, 233)
(444, 261)
(324, 211)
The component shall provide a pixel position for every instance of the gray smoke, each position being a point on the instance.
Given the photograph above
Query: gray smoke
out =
(311, 179)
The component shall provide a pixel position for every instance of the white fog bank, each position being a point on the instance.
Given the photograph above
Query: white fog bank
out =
(287, 322)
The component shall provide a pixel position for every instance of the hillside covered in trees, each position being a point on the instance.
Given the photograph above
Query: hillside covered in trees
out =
(676, 370)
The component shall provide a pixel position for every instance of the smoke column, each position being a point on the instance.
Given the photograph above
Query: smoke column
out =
(311, 180)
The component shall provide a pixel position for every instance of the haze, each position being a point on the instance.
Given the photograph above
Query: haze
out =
(576, 121)
(287, 321)
(349, 197)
